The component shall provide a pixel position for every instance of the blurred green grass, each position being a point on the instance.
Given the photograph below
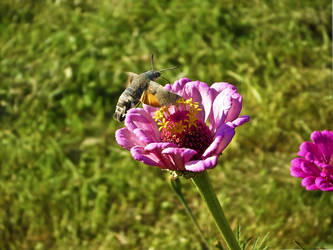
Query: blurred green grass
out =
(66, 184)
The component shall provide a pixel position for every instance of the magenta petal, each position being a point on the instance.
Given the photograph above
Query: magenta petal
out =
(155, 150)
(177, 86)
(310, 169)
(222, 105)
(179, 156)
(296, 169)
(145, 136)
(140, 154)
(139, 118)
(220, 86)
(240, 120)
(223, 136)
(309, 151)
(150, 109)
(297, 172)
(302, 168)
(236, 107)
(324, 143)
(127, 139)
(151, 155)
(200, 93)
(201, 165)
(323, 184)
(309, 183)
(159, 146)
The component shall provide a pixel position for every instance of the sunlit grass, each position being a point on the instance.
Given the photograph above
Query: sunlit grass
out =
(64, 183)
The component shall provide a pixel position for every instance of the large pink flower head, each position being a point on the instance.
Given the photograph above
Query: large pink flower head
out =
(187, 136)
(316, 163)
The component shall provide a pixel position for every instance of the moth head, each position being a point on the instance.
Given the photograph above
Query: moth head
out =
(153, 75)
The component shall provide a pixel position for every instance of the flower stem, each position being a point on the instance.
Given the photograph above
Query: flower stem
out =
(202, 182)
(176, 186)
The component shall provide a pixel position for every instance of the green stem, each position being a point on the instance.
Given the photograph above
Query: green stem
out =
(202, 182)
(176, 186)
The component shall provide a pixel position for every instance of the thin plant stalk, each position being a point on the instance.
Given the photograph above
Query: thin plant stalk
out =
(202, 182)
(176, 187)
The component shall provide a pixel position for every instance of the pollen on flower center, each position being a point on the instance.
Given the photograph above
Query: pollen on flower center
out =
(180, 124)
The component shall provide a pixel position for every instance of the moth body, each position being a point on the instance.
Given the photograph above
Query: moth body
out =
(143, 88)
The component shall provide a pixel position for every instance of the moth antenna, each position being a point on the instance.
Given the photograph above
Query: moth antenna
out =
(152, 62)
(171, 68)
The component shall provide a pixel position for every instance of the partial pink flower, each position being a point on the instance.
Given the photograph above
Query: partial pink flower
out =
(187, 136)
(315, 164)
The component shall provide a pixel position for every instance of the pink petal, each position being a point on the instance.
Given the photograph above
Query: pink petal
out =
(220, 86)
(222, 138)
(236, 107)
(236, 99)
(297, 172)
(310, 169)
(150, 109)
(309, 183)
(151, 155)
(240, 120)
(159, 146)
(201, 165)
(323, 184)
(324, 143)
(179, 156)
(309, 151)
(155, 150)
(227, 104)
(302, 168)
(145, 136)
(140, 154)
(177, 86)
(127, 139)
(139, 118)
(200, 92)
(296, 169)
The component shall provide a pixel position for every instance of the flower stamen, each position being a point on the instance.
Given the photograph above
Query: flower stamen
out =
(181, 125)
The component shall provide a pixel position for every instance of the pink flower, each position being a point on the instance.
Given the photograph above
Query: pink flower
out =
(316, 163)
(178, 137)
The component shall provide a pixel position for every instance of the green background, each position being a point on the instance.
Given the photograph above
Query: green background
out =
(66, 184)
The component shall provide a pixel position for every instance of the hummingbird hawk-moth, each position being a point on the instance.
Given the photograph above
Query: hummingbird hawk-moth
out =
(143, 88)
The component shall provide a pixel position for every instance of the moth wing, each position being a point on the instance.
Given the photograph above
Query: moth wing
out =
(149, 99)
(131, 76)
(163, 96)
